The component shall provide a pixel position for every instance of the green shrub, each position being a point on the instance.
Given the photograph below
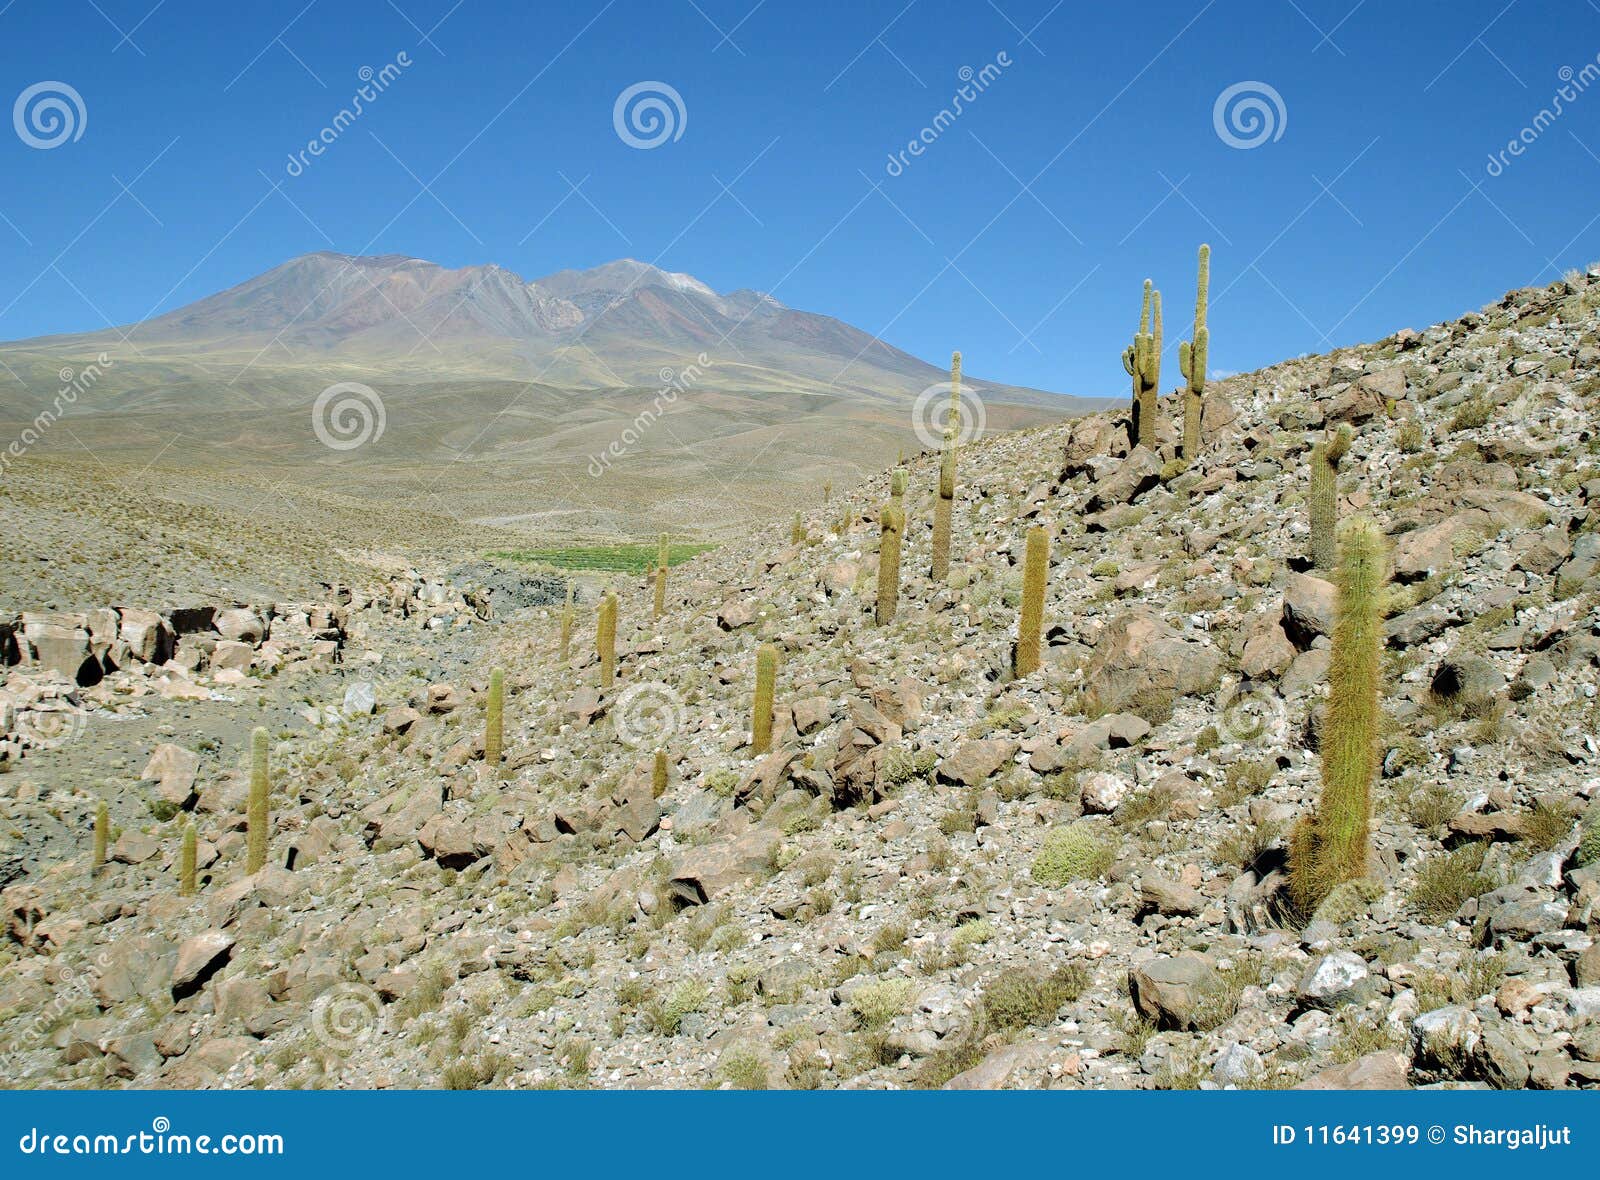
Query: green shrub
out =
(667, 1015)
(877, 1003)
(1022, 996)
(1447, 880)
(1072, 853)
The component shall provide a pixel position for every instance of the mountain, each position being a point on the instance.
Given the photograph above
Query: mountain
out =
(614, 326)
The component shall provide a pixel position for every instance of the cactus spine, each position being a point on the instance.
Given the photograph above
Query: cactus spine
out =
(1324, 497)
(256, 815)
(944, 505)
(102, 834)
(186, 862)
(766, 683)
(1030, 621)
(1192, 358)
(1142, 360)
(661, 576)
(606, 639)
(494, 719)
(566, 626)
(1331, 845)
(658, 774)
(892, 520)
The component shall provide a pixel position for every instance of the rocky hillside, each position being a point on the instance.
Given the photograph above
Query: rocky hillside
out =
(940, 874)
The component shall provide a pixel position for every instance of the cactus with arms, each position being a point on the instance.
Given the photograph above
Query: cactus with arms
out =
(1142, 360)
(1192, 357)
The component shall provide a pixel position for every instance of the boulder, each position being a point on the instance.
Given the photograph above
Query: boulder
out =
(1170, 991)
(1141, 663)
(710, 871)
(174, 770)
(974, 761)
(199, 958)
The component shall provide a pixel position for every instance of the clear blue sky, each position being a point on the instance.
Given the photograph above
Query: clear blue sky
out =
(796, 107)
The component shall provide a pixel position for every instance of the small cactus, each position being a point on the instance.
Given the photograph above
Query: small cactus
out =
(606, 639)
(186, 861)
(944, 504)
(797, 531)
(102, 834)
(494, 719)
(827, 492)
(1324, 496)
(1331, 845)
(766, 683)
(892, 520)
(256, 815)
(567, 619)
(658, 774)
(1030, 620)
(1192, 358)
(661, 576)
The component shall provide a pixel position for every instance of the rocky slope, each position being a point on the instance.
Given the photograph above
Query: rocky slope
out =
(941, 875)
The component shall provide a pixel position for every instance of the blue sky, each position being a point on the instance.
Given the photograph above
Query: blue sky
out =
(1020, 234)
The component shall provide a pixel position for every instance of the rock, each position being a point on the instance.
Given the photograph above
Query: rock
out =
(174, 771)
(442, 698)
(1140, 665)
(1267, 649)
(974, 761)
(1500, 1063)
(1383, 1070)
(1445, 1039)
(1171, 898)
(240, 624)
(230, 655)
(998, 1070)
(448, 842)
(1237, 1065)
(1468, 678)
(134, 847)
(1103, 792)
(1170, 991)
(399, 720)
(709, 871)
(199, 958)
(1437, 547)
(1586, 969)
(147, 634)
(360, 700)
(1332, 980)
(1309, 608)
(1134, 476)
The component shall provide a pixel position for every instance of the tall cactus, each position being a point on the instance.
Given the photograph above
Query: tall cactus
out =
(1192, 358)
(1324, 496)
(766, 684)
(661, 576)
(566, 626)
(1142, 360)
(102, 835)
(186, 861)
(658, 774)
(897, 487)
(797, 530)
(494, 718)
(606, 639)
(1030, 620)
(1331, 845)
(944, 505)
(892, 521)
(256, 814)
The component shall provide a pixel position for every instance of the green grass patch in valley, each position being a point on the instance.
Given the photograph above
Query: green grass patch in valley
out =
(624, 558)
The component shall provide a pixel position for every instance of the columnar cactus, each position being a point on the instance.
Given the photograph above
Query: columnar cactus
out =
(102, 834)
(494, 718)
(567, 619)
(1030, 621)
(1324, 496)
(186, 861)
(892, 520)
(606, 639)
(661, 576)
(1142, 360)
(766, 684)
(256, 814)
(797, 530)
(658, 774)
(1192, 357)
(1331, 845)
(944, 505)
(827, 492)
(897, 487)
